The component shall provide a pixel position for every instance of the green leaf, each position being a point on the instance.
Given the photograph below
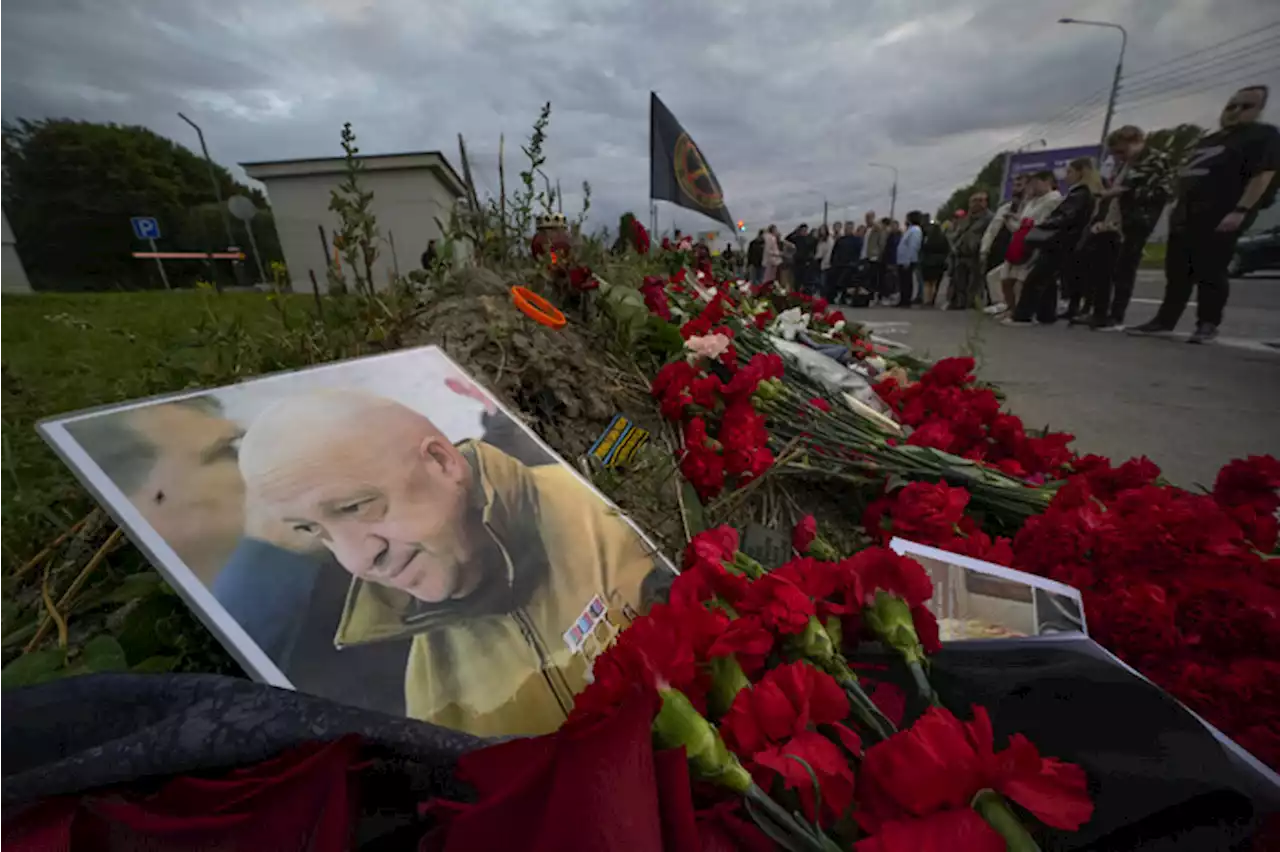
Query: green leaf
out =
(132, 587)
(145, 631)
(33, 668)
(103, 654)
(156, 665)
(8, 612)
(694, 519)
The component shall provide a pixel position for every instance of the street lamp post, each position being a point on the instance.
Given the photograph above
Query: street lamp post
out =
(217, 190)
(1115, 81)
(893, 192)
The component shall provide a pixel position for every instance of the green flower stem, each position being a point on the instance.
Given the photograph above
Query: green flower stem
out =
(925, 688)
(787, 830)
(678, 723)
(992, 807)
(865, 709)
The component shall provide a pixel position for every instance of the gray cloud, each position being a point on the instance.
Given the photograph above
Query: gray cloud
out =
(789, 102)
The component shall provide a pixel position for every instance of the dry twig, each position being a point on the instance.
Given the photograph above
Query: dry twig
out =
(53, 612)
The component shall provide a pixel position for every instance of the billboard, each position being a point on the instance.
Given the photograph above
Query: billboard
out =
(1026, 162)
(380, 531)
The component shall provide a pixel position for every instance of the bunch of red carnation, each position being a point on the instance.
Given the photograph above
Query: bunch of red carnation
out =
(934, 514)
(948, 411)
(750, 671)
(726, 441)
(639, 237)
(1176, 583)
(654, 291)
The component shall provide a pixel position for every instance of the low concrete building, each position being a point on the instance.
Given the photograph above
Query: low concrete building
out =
(410, 193)
(13, 277)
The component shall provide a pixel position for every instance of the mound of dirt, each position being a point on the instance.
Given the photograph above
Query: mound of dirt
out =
(559, 380)
(562, 382)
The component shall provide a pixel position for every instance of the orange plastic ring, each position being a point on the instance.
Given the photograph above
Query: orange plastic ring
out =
(537, 308)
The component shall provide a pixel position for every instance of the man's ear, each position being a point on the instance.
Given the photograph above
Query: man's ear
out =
(437, 452)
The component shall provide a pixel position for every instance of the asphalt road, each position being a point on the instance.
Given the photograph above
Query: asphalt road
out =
(1189, 408)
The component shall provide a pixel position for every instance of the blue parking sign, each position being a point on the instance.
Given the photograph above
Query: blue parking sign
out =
(145, 227)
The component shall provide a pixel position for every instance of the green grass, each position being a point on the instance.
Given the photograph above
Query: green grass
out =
(64, 352)
(1153, 256)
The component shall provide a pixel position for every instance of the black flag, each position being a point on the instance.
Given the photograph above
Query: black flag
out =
(677, 170)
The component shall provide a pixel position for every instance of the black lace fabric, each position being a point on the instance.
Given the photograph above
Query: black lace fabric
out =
(98, 731)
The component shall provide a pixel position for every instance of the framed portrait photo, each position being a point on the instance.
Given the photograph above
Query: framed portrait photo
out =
(379, 531)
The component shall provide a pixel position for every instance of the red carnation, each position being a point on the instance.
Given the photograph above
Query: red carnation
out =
(716, 546)
(639, 237)
(921, 511)
(1135, 620)
(936, 434)
(780, 604)
(940, 763)
(746, 639)
(655, 297)
(820, 403)
(677, 374)
(582, 279)
(1253, 481)
(881, 568)
(958, 830)
(804, 533)
(949, 372)
(779, 716)
(704, 469)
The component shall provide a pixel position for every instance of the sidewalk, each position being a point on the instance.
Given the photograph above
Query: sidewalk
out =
(1189, 408)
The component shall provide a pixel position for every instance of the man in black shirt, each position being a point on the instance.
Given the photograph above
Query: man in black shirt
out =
(806, 250)
(755, 258)
(1222, 185)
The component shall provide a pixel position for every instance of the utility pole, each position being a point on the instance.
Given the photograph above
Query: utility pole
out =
(1115, 81)
(217, 190)
(893, 191)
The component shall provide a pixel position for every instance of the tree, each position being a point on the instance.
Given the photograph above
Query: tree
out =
(1175, 141)
(988, 181)
(70, 188)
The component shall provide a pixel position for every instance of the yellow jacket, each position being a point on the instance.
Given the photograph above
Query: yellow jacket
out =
(510, 661)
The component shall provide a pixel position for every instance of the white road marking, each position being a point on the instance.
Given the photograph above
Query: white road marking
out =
(1248, 343)
(1157, 301)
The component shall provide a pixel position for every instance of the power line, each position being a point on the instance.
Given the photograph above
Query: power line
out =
(1088, 107)
(1147, 90)
(1142, 72)
(1234, 76)
(1268, 50)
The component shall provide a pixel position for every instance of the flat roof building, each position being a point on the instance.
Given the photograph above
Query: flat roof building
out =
(413, 194)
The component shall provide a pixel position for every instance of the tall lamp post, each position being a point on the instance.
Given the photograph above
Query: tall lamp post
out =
(893, 192)
(1115, 81)
(217, 190)
(823, 196)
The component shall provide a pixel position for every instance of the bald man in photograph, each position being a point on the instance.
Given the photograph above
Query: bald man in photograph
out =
(484, 564)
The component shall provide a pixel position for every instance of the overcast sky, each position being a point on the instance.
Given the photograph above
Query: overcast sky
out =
(789, 101)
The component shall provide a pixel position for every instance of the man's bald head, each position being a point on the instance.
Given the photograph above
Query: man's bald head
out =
(351, 427)
(377, 482)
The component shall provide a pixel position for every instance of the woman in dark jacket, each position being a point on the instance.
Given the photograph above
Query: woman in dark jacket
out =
(1056, 238)
(933, 259)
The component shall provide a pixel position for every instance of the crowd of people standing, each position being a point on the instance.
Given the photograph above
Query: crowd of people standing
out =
(1046, 254)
